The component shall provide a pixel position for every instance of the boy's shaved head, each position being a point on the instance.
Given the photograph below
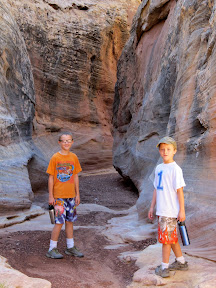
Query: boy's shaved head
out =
(65, 133)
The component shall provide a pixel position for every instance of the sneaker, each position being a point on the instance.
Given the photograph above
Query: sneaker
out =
(74, 252)
(178, 266)
(54, 253)
(163, 273)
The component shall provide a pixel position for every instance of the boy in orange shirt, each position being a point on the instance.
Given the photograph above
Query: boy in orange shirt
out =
(63, 186)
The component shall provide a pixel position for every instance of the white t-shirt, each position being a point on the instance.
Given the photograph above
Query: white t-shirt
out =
(168, 178)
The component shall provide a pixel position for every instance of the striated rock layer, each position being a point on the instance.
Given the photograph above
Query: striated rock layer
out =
(74, 47)
(16, 115)
(166, 86)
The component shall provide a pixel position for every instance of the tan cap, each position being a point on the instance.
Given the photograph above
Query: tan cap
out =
(167, 140)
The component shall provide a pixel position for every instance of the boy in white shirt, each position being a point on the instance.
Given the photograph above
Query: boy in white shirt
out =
(169, 199)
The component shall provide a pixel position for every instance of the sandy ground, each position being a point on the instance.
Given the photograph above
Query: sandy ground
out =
(101, 267)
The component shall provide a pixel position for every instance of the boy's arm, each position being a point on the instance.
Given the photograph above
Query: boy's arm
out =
(181, 215)
(151, 210)
(76, 183)
(50, 188)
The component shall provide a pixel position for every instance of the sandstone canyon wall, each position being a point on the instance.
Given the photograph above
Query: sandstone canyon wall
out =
(73, 47)
(17, 102)
(166, 86)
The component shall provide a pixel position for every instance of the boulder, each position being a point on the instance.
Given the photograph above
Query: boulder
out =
(13, 278)
(166, 86)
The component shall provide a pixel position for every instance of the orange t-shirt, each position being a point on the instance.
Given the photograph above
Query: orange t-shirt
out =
(63, 168)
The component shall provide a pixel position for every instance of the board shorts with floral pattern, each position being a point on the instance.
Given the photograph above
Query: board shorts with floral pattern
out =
(65, 210)
(167, 230)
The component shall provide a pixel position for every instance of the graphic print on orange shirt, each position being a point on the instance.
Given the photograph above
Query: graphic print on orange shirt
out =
(65, 171)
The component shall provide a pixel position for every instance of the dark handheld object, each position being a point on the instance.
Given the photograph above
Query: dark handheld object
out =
(52, 214)
(184, 233)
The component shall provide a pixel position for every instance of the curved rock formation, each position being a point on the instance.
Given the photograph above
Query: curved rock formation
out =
(16, 115)
(166, 86)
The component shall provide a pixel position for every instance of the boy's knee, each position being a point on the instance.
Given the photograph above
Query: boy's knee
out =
(68, 223)
(59, 224)
(166, 245)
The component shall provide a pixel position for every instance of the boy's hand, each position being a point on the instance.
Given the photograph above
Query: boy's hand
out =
(150, 214)
(51, 200)
(181, 216)
(77, 200)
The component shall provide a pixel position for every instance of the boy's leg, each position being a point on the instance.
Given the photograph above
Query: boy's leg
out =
(166, 235)
(162, 270)
(56, 231)
(71, 216)
(53, 251)
(166, 249)
(69, 234)
(59, 221)
(69, 229)
(177, 249)
(71, 249)
(69, 219)
(180, 263)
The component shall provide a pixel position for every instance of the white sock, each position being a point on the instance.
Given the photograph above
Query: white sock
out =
(70, 243)
(181, 259)
(53, 244)
(164, 265)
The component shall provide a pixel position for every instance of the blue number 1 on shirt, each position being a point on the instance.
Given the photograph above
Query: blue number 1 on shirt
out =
(159, 187)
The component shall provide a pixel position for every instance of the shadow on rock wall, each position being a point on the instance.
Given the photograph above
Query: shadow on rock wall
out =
(166, 86)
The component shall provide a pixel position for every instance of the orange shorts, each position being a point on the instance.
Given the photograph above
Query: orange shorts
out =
(167, 230)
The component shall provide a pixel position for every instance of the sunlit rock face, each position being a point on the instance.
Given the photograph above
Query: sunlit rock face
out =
(166, 86)
(74, 47)
(14, 278)
(16, 115)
